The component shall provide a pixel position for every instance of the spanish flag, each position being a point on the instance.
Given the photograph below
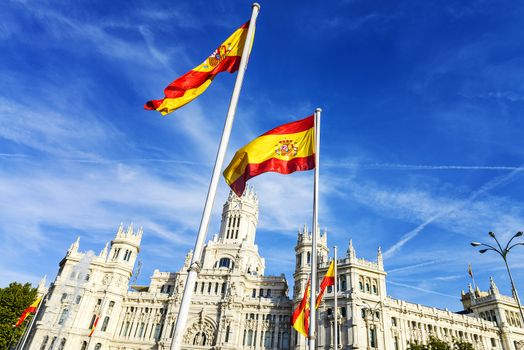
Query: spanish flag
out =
(192, 84)
(300, 317)
(328, 280)
(285, 149)
(30, 310)
(94, 325)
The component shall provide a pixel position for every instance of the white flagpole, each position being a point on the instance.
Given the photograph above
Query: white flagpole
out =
(194, 268)
(313, 296)
(21, 345)
(335, 291)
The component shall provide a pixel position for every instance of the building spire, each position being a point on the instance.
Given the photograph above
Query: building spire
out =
(103, 252)
(380, 260)
(74, 247)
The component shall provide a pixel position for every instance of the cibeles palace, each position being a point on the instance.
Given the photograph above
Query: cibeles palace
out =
(236, 306)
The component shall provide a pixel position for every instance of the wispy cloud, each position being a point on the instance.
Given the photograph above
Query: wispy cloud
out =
(490, 185)
(420, 289)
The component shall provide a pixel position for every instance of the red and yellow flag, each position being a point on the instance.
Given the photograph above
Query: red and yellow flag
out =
(29, 310)
(328, 280)
(192, 84)
(300, 317)
(94, 325)
(285, 149)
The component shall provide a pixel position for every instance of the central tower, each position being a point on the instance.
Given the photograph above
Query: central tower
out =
(234, 247)
(239, 218)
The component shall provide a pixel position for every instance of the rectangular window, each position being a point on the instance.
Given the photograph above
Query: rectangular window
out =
(372, 338)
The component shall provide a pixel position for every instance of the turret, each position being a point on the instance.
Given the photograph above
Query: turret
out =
(240, 218)
(303, 257)
(125, 247)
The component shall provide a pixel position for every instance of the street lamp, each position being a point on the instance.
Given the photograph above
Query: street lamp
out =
(371, 329)
(503, 252)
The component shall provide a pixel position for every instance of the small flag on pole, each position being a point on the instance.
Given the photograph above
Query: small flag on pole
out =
(328, 280)
(284, 149)
(29, 310)
(94, 325)
(226, 58)
(300, 317)
(470, 271)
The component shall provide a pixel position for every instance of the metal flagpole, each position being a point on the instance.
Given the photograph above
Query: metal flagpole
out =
(335, 291)
(313, 296)
(470, 271)
(30, 326)
(204, 222)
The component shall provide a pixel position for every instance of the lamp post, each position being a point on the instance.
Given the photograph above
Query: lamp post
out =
(371, 329)
(503, 252)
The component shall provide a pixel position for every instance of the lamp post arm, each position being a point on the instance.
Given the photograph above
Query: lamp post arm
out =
(500, 247)
(494, 249)
(507, 245)
(516, 244)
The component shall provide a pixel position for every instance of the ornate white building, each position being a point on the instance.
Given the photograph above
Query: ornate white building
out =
(235, 306)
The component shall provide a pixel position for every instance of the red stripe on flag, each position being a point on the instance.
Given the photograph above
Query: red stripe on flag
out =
(194, 79)
(293, 127)
(272, 165)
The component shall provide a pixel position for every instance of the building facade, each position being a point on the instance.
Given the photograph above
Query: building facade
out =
(370, 319)
(236, 306)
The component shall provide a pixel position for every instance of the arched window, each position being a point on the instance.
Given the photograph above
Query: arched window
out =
(308, 258)
(343, 285)
(285, 340)
(367, 287)
(224, 262)
(267, 340)
(299, 260)
(63, 316)
(158, 330)
(98, 346)
(361, 286)
(375, 291)
(228, 330)
(84, 345)
(62, 344)
(200, 339)
(250, 337)
(104, 325)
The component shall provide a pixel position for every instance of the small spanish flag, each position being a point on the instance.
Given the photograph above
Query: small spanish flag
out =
(328, 280)
(94, 325)
(30, 310)
(300, 317)
(284, 149)
(226, 58)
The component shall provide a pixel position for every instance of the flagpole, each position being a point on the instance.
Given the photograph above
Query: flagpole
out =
(470, 270)
(313, 296)
(335, 291)
(204, 222)
(30, 326)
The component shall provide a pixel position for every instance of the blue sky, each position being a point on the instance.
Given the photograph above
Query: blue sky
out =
(421, 132)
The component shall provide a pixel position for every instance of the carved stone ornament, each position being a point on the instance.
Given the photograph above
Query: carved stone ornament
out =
(201, 333)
